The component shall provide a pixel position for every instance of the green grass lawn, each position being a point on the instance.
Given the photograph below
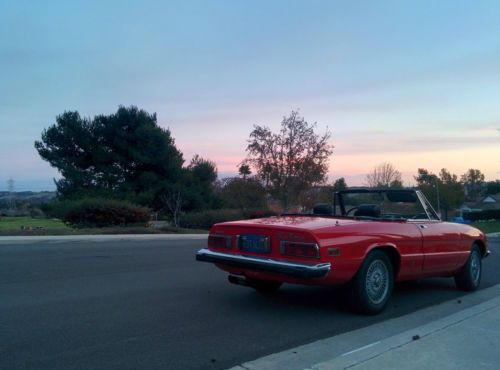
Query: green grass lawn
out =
(488, 227)
(44, 226)
(16, 223)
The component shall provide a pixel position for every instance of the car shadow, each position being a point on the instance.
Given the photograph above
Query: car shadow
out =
(407, 296)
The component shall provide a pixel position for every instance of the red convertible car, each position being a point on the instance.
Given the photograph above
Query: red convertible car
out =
(368, 238)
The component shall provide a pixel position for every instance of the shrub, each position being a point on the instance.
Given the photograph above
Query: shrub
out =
(488, 214)
(205, 219)
(243, 193)
(53, 209)
(100, 212)
(257, 213)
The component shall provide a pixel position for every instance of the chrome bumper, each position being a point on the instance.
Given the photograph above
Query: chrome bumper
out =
(297, 270)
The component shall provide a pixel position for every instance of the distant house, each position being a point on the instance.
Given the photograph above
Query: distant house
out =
(468, 207)
(490, 201)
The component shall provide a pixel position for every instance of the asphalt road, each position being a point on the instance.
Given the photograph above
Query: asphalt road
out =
(149, 304)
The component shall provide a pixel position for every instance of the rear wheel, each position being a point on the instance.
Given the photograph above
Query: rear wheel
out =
(469, 276)
(372, 287)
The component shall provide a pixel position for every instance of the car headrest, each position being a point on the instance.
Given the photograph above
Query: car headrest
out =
(368, 210)
(322, 209)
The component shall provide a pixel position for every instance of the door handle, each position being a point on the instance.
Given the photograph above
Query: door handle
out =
(423, 226)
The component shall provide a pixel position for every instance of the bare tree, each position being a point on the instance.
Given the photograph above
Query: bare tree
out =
(173, 201)
(292, 160)
(384, 175)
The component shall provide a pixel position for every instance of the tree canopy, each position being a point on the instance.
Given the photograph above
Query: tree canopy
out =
(198, 184)
(493, 187)
(243, 193)
(473, 181)
(244, 170)
(290, 161)
(124, 155)
(339, 184)
(444, 189)
(452, 194)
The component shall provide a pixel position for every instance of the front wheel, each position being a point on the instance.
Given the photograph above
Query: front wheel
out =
(469, 276)
(373, 284)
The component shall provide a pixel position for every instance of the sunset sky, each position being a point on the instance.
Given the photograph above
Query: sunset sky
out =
(415, 83)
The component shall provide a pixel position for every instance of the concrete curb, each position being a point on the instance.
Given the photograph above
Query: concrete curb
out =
(97, 238)
(493, 236)
(358, 346)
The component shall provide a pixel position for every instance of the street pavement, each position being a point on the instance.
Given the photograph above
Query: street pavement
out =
(146, 303)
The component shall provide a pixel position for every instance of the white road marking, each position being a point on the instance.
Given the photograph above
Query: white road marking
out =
(360, 348)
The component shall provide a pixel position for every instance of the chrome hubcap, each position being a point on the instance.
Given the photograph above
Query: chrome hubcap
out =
(377, 281)
(475, 267)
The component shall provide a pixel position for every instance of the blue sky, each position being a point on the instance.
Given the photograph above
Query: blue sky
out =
(416, 84)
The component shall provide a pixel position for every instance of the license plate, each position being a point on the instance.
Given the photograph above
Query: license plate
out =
(254, 243)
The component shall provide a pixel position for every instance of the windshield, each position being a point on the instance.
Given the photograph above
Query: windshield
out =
(389, 205)
(365, 203)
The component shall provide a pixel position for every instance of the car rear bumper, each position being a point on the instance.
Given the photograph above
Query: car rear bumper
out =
(293, 269)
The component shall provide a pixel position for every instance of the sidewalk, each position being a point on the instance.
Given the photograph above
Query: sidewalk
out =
(468, 339)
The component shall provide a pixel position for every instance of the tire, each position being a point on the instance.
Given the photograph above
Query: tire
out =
(265, 286)
(372, 286)
(469, 276)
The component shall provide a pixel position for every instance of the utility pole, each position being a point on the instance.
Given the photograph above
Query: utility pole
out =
(437, 194)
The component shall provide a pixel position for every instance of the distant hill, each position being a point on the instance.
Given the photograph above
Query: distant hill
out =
(33, 197)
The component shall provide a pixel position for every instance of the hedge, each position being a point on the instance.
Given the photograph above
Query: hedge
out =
(100, 212)
(205, 219)
(488, 214)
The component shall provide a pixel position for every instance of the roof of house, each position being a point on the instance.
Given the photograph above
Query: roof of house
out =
(489, 201)
(491, 198)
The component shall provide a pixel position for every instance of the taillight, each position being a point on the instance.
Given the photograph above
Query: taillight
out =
(219, 241)
(300, 249)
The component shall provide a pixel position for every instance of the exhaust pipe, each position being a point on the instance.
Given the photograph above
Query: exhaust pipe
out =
(238, 280)
(263, 286)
